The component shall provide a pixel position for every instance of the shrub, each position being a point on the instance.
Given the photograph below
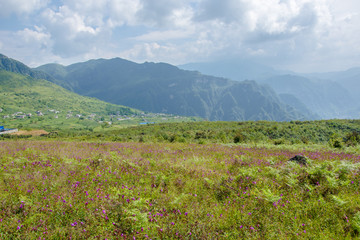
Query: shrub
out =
(352, 139)
(239, 138)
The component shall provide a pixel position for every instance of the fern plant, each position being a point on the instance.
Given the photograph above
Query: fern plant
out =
(356, 222)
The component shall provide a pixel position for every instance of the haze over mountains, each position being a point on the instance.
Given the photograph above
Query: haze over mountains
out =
(235, 69)
(160, 87)
(320, 95)
(163, 88)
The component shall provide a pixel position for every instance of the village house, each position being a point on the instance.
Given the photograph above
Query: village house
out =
(1, 110)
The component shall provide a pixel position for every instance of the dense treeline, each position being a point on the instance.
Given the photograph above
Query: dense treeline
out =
(337, 133)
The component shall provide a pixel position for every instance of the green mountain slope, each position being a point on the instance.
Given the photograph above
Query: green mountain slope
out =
(11, 65)
(293, 101)
(27, 94)
(160, 87)
(26, 102)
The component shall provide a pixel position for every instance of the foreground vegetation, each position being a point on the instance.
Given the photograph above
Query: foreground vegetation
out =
(340, 134)
(78, 190)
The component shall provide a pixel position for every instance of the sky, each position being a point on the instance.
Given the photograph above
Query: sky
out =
(298, 35)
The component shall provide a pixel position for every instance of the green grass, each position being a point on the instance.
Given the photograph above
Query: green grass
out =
(81, 190)
(26, 94)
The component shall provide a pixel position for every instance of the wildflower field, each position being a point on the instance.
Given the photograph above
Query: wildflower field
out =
(83, 190)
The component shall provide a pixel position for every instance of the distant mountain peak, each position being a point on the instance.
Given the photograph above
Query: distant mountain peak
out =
(162, 87)
(12, 65)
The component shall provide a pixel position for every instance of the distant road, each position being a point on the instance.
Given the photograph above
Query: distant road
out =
(7, 131)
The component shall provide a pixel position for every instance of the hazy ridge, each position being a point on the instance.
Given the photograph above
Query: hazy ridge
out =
(160, 87)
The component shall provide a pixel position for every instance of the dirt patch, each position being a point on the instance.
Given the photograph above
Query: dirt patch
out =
(31, 132)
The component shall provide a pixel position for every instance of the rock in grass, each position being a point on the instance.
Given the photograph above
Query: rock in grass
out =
(299, 159)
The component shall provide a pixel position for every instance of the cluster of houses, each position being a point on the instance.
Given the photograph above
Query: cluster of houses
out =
(90, 117)
(21, 115)
(93, 116)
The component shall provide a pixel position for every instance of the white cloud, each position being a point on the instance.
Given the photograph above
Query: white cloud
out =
(299, 33)
(337, 42)
(164, 35)
(8, 7)
(84, 27)
(70, 32)
(158, 12)
(36, 36)
(179, 52)
(123, 11)
(32, 46)
(150, 52)
(294, 33)
(112, 12)
(261, 19)
(226, 10)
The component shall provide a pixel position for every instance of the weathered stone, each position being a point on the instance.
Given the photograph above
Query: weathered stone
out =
(299, 159)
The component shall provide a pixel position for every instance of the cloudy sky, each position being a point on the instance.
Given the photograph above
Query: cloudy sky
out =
(301, 35)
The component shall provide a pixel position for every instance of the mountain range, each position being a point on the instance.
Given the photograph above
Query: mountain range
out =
(23, 89)
(161, 87)
(317, 95)
(349, 79)
(264, 94)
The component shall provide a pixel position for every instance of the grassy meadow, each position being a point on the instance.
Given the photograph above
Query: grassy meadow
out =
(56, 189)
